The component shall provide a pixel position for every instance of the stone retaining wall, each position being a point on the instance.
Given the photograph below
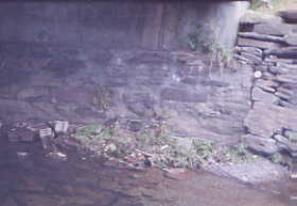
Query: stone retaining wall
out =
(269, 46)
(108, 60)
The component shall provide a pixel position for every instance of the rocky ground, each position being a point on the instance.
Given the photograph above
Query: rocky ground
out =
(151, 148)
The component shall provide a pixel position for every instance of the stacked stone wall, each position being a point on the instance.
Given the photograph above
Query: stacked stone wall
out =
(269, 46)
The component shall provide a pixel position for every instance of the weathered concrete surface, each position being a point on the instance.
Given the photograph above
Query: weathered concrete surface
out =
(113, 24)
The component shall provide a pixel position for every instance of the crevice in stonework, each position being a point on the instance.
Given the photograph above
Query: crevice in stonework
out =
(252, 101)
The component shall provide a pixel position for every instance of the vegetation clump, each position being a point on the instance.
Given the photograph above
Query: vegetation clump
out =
(155, 146)
(205, 38)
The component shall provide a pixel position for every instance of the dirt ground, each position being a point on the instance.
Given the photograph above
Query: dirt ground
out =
(35, 179)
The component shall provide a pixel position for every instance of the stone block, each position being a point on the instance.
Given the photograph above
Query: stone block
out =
(291, 39)
(259, 95)
(242, 59)
(21, 134)
(275, 70)
(284, 93)
(262, 37)
(291, 135)
(61, 127)
(32, 93)
(12, 136)
(289, 16)
(46, 134)
(265, 119)
(253, 17)
(252, 58)
(276, 60)
(183, 95)
(260, 145)
(280, 139)
(252, 50)
(273, 27)
(246, 42)
(285, 52)
(266, 85)
(140, 103)
(286, 78)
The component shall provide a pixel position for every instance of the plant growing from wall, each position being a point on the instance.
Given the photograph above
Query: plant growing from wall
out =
(205, 39)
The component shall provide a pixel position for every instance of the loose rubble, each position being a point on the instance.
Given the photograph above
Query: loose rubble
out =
(21, 134)
(48, 134)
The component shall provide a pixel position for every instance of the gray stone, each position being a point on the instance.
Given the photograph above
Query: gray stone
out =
(291, 39)
(262, 37)
(183, 95)
(288, 65)
(265, 119)
(280, 139)
(61, 67)
(214, 83)
(253, 17)
(12, 136)
(190, 80)
(293, 174)
(291, 135)
(289, 16)
(251, 57)
(262, 67)
(284, 93)
(257, 43)
(286, 103)
(31, 93)
(275, 70)
(286, 78)
(61, 127)
(268, 76)
(276, 60)
(57, 155)
(21, 134)
(285, 53)
(141, 103)
(46, 135)
(273, 27)
(46, 132)
(253, 50)
(288, 147)
(266, 85)
(22, 155)
(267, 63)
(263, 146)
(283, 69)
(259, 95)
(242, 59)
(135, 126)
